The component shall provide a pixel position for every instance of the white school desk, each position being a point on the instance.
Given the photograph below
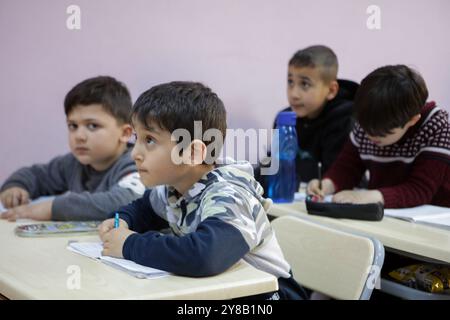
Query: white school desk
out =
(37, 268)
(416, 240)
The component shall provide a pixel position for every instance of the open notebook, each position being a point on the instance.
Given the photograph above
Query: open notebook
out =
(94, 250)
(426, 214)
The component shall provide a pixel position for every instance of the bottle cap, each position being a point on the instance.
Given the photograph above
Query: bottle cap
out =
(286, 118)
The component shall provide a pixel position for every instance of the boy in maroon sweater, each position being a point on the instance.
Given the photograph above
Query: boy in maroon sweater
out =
(400, 139)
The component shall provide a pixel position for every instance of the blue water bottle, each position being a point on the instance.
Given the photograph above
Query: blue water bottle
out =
(283, 184)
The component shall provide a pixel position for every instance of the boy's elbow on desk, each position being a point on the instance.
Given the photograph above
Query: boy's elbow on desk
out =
(204, 268)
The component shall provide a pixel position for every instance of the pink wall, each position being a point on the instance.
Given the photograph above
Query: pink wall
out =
(240, 48)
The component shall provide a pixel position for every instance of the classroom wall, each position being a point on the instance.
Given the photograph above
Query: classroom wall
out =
(240, 48)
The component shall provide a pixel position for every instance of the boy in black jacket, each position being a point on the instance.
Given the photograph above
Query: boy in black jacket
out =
(323, 105)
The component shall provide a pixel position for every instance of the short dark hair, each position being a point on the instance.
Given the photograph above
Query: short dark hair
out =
(176, 105)
(318, 56)
(107, 91)
(388, 98)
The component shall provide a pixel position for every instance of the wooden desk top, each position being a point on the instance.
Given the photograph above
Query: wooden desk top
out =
(414, 238)
(39, 268)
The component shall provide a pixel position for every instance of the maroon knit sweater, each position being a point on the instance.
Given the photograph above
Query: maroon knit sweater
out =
(411, 172)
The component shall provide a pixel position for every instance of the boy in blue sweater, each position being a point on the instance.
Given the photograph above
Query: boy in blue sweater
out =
(216, 213)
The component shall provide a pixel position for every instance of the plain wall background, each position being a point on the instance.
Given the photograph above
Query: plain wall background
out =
(239, 48)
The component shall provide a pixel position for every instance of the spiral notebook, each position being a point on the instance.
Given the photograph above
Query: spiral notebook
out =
(94, 250)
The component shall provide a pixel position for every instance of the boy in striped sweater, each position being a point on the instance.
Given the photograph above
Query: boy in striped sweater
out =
(402, 140)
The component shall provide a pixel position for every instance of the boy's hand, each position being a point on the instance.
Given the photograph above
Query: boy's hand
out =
(327, 188)
(365, 196)
(14, 197)
(38, 211)
(113, 241)
(107, 225)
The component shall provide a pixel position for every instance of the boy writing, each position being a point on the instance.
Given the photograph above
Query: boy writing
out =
(403, 141)
(97, 176)
(216, 212)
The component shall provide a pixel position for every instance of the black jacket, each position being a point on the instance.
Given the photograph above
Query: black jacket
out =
(322, 138)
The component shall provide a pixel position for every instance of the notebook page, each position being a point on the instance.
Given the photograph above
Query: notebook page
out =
(439, 221)
(417, 213)
(94, 250)
(136, 269)
(88, 249)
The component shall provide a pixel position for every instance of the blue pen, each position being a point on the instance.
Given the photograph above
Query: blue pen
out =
(116, 220)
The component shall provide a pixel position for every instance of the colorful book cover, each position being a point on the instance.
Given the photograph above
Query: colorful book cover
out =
(57, 228)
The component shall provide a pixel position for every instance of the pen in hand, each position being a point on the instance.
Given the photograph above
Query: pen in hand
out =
(116, 220)
(319, 174)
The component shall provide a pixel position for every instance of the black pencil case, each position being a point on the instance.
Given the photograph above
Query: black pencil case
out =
(369, 211)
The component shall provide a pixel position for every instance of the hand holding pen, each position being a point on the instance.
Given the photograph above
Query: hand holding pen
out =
(116, 220)
(320, 187)
(110, 224)
(319, 174)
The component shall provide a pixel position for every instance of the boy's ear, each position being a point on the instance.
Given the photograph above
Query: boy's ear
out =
(127, 131)
(197, 153)
(333, 86)
(413, 120)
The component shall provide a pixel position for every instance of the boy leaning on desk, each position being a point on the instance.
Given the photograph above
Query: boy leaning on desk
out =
(400, 138)
(97, 176)
(216, 212)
